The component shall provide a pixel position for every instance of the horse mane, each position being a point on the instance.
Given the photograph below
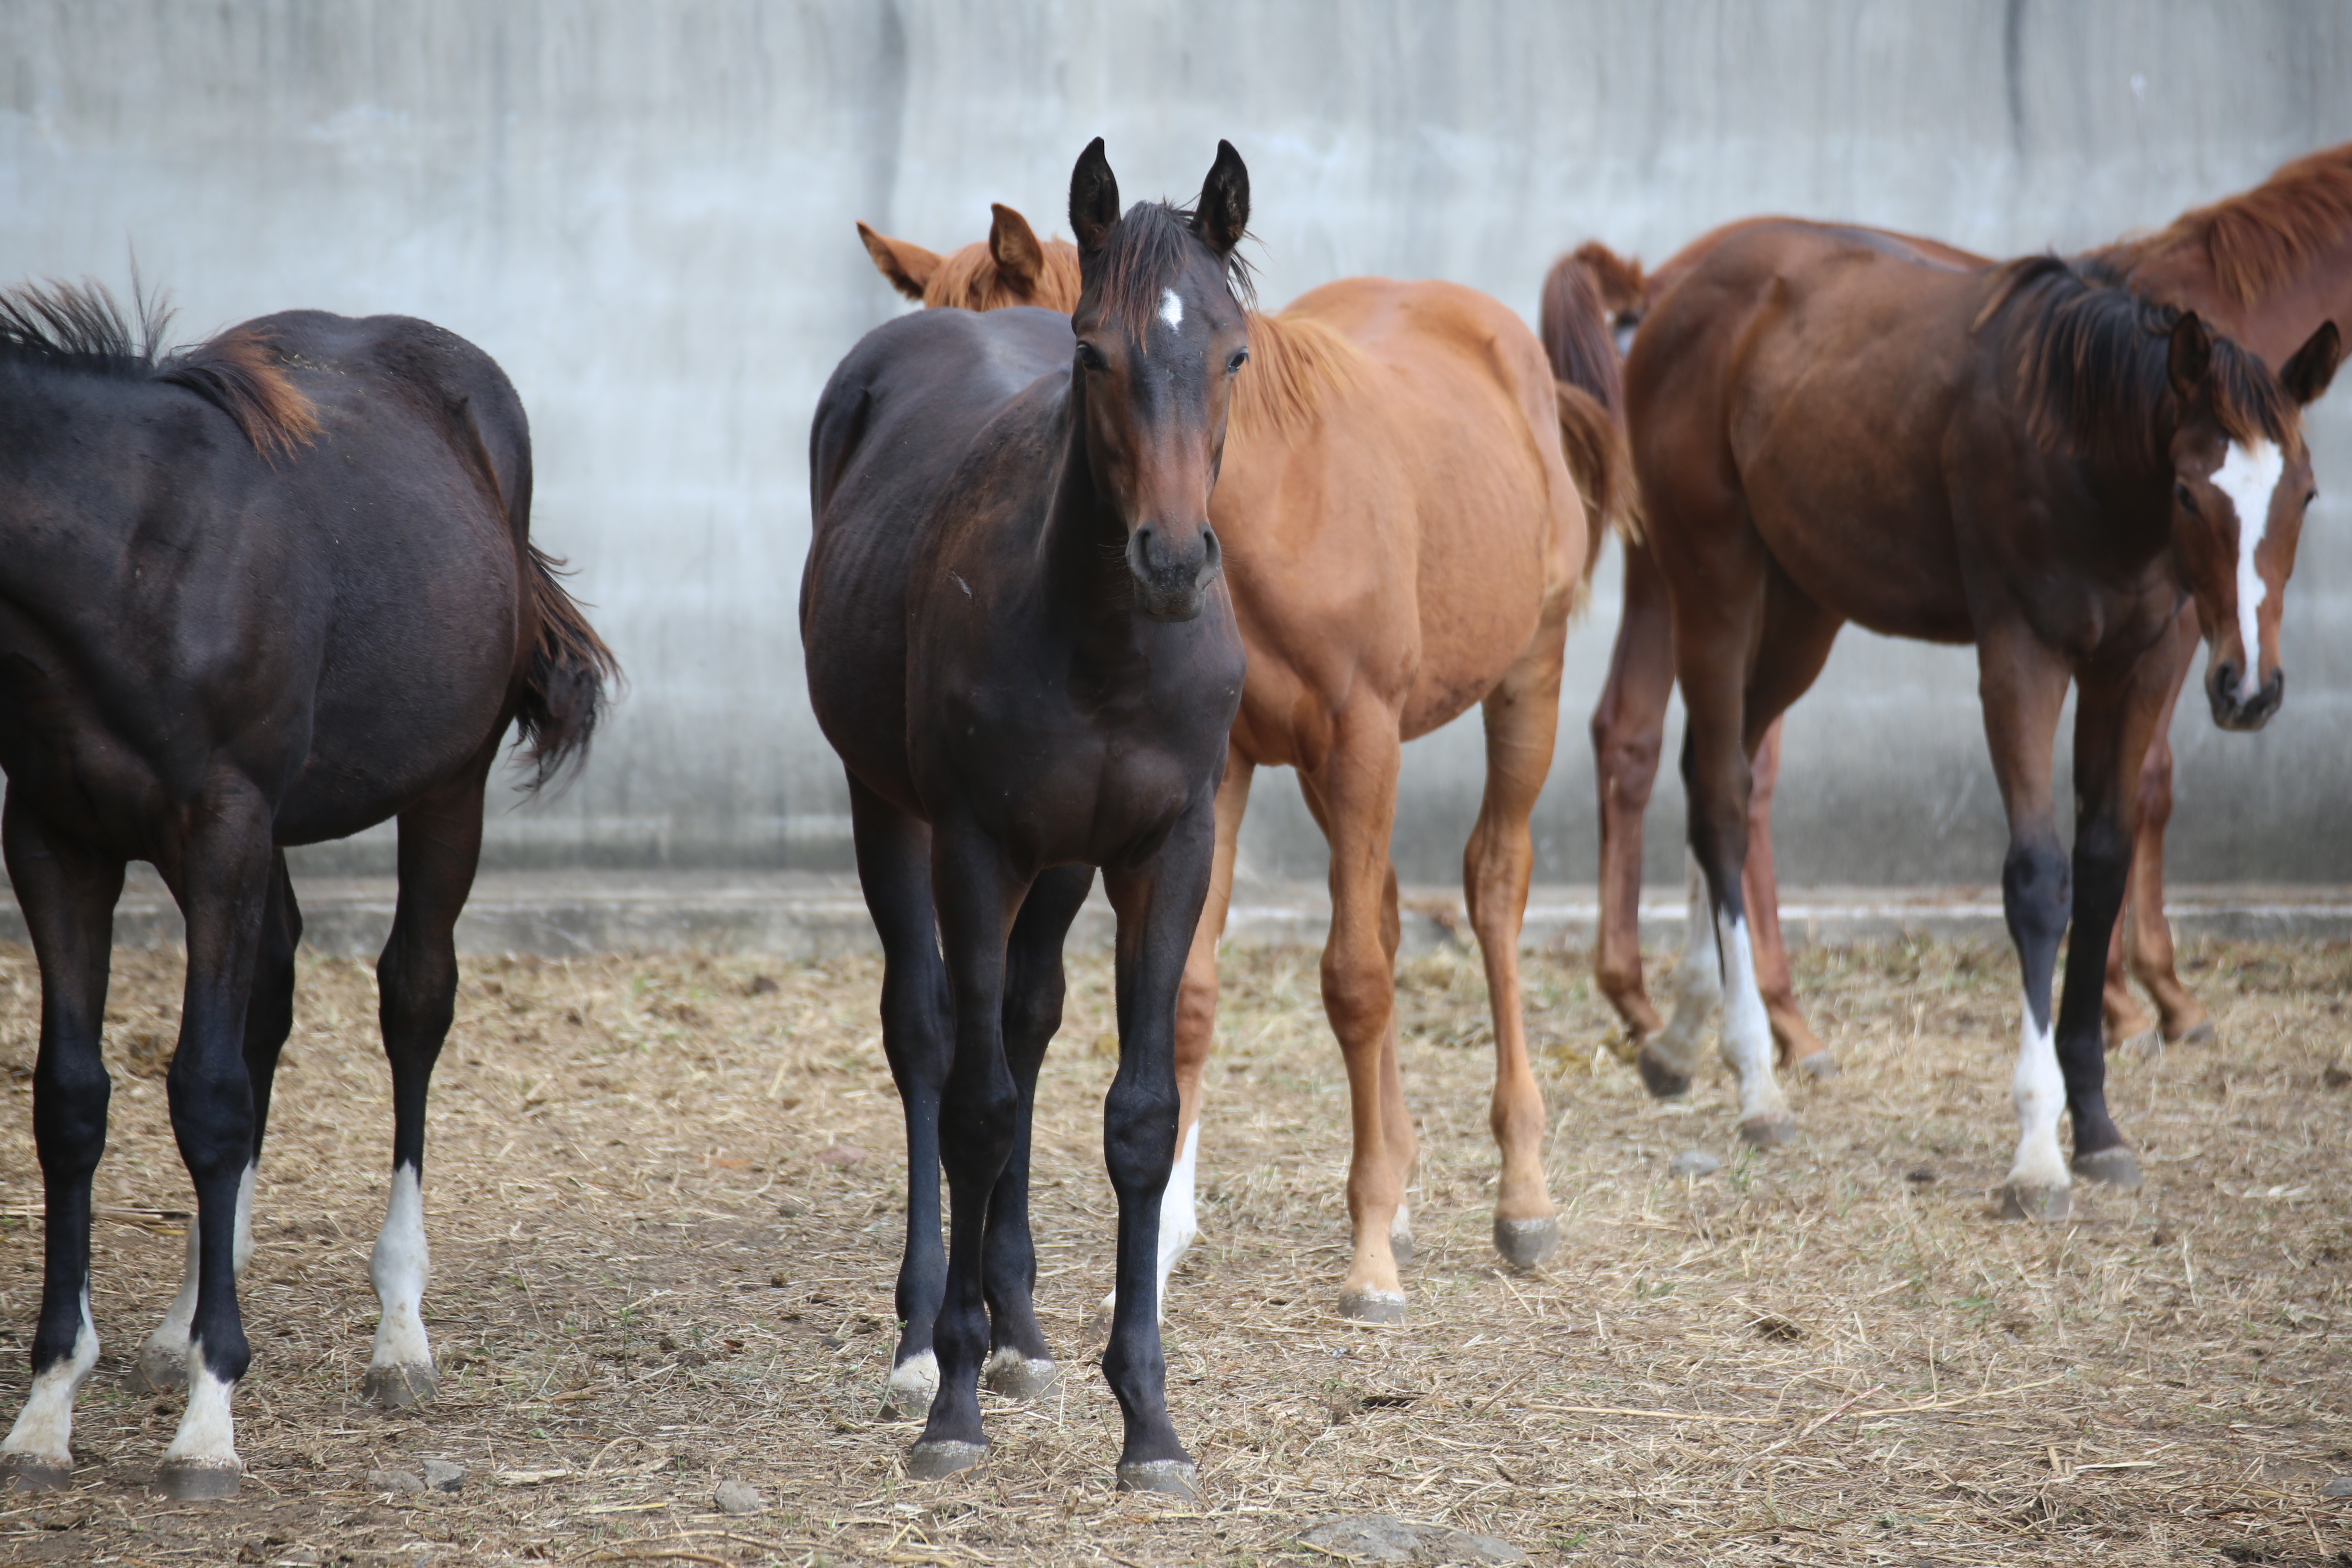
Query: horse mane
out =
(82, 328)
(1146, 246)
(969, 277)
(1297, 364)
(2093, 361)
(1573, 322)
(2259, 241)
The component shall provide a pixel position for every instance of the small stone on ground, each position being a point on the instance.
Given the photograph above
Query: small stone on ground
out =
(1377, 1537)
(1693, 1162)
(737, 1497)
(394, 1481)
(442, 1476)
(2340, 1486)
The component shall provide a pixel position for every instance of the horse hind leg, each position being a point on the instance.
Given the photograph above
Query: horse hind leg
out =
(1799, 1048)
(268, 1019)
(1628, 724)
(69, 896)
(2147, 937)
(1669, 1058)
(1522, 718)
(416, 984)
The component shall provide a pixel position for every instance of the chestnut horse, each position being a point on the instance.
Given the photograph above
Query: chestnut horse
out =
(2265, 268)
(1405, 537)
(1018, 641)
(1829, 424)
(268, 591)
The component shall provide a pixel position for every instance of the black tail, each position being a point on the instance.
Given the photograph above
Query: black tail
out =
(563, 695)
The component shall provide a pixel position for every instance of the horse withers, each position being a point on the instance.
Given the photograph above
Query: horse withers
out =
(1019, 641)
(1830, 426)
(266, 592)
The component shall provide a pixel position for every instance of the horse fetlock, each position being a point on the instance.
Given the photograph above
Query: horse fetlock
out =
(1172, 1478)
(935, 1461)
(2115, 1167)
(1018, 1377)
(201, 1464)
(1524, 1243)
(914, 1383)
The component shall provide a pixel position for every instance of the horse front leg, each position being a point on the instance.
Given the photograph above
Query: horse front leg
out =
(222, 878)
(1522, 718)
(268, 1019)
(67, 892)
(894, 871)
(1158, 908)
(1019, 1366)
(2022, 685)
(977, 897)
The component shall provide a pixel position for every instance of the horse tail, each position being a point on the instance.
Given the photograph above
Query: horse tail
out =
(563, 691)
(1577, 312)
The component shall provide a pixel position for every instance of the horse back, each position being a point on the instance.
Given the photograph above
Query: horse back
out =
(897, 421)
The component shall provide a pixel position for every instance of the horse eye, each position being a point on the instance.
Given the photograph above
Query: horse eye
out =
(1092, 357)
(1240, 358)
(2180, 493)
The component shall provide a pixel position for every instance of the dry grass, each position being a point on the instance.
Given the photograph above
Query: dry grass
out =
(649, 1279)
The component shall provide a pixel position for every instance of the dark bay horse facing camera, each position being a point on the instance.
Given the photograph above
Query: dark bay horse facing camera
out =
(264, 592)
(1018, 641)
(1829, 424)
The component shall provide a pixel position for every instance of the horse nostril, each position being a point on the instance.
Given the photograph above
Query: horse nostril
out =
(1211, 552)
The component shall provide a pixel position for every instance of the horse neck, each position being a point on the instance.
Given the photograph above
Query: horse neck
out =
(2273, 326)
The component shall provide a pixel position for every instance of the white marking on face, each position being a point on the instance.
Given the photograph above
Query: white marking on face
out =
(400, 1267)
(2250, 477)
(45, 1429)
(207, 1434)
(1171, 309)
(2039, 1092)
(1747, 1046)
(168, 1346)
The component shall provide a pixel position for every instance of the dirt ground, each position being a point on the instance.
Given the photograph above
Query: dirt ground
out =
(664, 1199)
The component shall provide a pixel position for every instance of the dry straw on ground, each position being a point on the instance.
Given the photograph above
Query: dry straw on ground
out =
(662, 1261)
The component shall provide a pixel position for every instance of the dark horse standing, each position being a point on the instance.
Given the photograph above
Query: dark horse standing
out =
(268, 590)
(1018, 641)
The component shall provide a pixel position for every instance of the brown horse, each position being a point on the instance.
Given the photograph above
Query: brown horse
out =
(1403, 537)
(1830, 425)
(2265, 268)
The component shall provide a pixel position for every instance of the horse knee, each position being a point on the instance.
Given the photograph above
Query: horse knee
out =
(1358, 994)
(2037, 892)
(1139, 1132)
(1628, 765)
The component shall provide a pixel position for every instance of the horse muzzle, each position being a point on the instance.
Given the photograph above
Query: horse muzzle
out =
(2232, 712)
(1172, 581)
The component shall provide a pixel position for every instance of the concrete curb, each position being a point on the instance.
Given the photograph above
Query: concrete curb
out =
(802, 915)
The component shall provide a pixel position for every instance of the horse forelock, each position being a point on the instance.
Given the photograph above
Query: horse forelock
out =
(971, 279)
(1297, 366)
(2259, 242)
(2093, 364)
(1144, 253)
(81, 328)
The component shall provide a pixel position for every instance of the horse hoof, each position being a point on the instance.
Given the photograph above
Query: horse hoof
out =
(1524, 1243)
(1372, 1306)
(1400, 1246)
(398, 1387)
(2145, 1046)
(2116, 1167)
(2199, 1035)
(1661, 1080)
(914, 1383)
(938, 1461)
(2044, 1204)
(1769, 1130)
(35, 1473)
(1016, 1376)
(1819, 1067)
(193, 1480)
(1627, 1047)
(159, 1371)
(1175, 1478)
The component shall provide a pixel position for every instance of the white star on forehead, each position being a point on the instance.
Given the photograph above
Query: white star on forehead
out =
(1171, 309)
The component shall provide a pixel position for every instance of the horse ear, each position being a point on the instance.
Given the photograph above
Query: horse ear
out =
(1094, 198)
(908, 267)
(2191, 357)
(2307, 375)
(1020, 260)
(1223, 211)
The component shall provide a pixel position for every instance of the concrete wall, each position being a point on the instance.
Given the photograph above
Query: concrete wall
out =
(644, 211)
